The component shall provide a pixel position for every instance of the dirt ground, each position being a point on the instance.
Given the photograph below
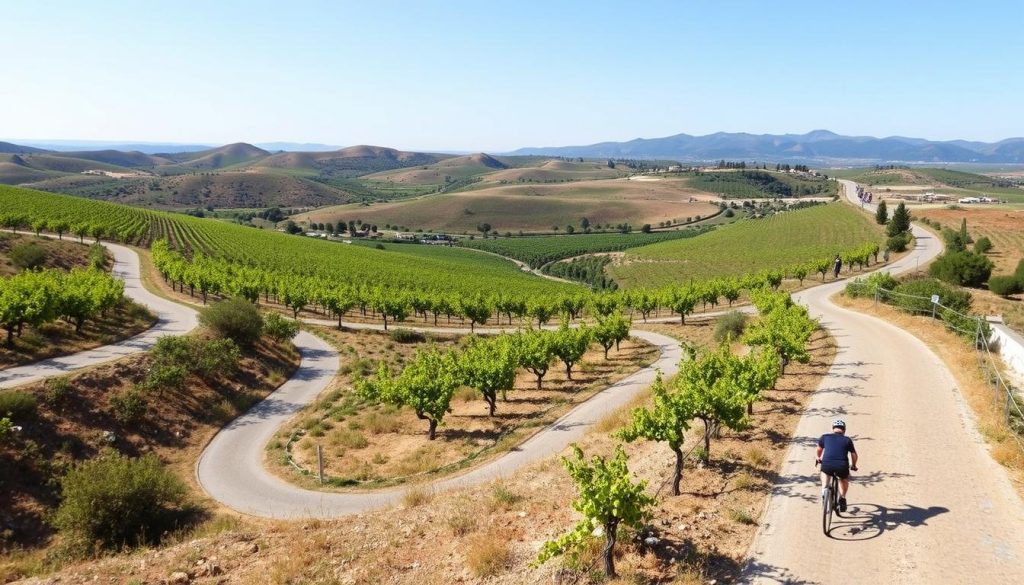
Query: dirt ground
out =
(492, 533)
(79, 424)
(366, 444)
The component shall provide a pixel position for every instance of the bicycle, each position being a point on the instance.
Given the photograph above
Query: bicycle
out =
(829, 501)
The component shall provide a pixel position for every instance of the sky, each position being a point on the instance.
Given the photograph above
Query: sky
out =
(475, 75)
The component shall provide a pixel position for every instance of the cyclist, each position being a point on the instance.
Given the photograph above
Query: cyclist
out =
(832, 455)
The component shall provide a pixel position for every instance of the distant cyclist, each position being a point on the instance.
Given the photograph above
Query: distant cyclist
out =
(833, 449)
(837, 266)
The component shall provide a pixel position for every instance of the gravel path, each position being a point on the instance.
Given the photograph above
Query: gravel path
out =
(173, 319)
(929, 504)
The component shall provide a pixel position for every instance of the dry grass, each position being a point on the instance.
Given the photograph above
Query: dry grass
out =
(488, 554)
(417, 495)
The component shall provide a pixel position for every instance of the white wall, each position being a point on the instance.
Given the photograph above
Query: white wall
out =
(1011, 346)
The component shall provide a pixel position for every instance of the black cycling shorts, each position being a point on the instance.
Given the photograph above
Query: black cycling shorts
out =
(842, 471)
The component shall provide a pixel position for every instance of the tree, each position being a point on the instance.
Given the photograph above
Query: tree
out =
(610, 330)
(900, 221)
(536, 352)
(484, 228)
(665, 422)
(490, 367)
(475, 308)
(983, 245)
(541, 310)
(570, 344)
(682, 301)
(881, 213)
(608, 498)
(708, 388)
(61, 227)
(782, 327)
(585, 224)
(426, 385)
(391, 304)
(81, 230)
(962, 268)
(646, 228)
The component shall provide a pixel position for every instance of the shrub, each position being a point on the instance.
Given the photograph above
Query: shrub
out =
(6, 429)
(866, 287)
(406, 336)
(115, 500)
(731, 325)
(925, 288)
(236, 319)
(57, 390)
(962, 268)
(97, 256)
(1005, 286)
(983, 245)
(219, 355)
(898, 243)
(17, 405)
(27, 256)
(280, 328)
(128, 406)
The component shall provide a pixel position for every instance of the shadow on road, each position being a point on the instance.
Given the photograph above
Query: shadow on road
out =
(868, 521)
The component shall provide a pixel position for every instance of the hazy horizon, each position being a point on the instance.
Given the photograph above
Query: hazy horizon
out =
(460, 76)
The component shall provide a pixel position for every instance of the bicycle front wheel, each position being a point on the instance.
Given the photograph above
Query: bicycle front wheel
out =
(826, 511)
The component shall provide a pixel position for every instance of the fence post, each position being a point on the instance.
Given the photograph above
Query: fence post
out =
(320, 462)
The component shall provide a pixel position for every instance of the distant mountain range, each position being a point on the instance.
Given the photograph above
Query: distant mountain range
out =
(819, 146)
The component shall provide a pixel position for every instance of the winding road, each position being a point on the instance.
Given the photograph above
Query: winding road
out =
(172, 319)
(929, 504)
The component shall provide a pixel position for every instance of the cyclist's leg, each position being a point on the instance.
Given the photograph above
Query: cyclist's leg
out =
(824, 481)
(844, 485)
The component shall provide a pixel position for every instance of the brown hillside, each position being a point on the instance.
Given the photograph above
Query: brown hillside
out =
(119, 158)
(224, 156)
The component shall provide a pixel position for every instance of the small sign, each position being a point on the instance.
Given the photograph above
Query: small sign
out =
(935, 299)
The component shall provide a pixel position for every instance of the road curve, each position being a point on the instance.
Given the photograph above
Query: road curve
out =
(232, 471)
(173, 319)
(929, 504)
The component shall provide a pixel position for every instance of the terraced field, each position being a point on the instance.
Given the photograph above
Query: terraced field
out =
(748, 246)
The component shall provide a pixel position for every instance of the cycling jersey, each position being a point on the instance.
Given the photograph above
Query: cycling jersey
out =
(836, 447)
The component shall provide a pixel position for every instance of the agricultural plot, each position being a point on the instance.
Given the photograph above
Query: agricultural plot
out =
(532, 207)
(754, 184)
(397, 267)
(748, 246)
(537, 251)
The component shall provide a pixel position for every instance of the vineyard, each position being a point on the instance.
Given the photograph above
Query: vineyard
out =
(757, 184)
(748, 246)
(396, 267)
(538, 251)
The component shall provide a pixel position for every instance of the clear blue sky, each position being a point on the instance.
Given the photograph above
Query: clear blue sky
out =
(494, 76)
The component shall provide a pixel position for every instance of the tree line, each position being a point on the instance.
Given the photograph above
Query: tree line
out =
(36, 297)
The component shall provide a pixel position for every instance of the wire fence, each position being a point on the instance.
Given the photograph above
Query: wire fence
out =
(976, 329)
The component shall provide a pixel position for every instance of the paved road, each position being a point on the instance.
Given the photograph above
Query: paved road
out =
(173, 319)
(929, 504)
(231, 468)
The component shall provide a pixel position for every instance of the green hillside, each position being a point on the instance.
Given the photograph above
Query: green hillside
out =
(749, 246)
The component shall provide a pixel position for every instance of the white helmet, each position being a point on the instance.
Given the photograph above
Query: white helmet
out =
(839, 423)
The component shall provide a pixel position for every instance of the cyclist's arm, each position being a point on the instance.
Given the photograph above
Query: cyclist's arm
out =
(853, 460)
(817, 455)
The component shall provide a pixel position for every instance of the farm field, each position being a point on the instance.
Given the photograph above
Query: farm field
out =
(460, 270)
(748, 246)
(922, 180)
(539, 250)
(532, 207)
(1005, 227)
(755, 184)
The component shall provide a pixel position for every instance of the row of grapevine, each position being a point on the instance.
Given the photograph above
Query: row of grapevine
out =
(34, 298)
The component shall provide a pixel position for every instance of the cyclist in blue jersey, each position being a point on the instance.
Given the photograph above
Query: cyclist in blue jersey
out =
(833, 449)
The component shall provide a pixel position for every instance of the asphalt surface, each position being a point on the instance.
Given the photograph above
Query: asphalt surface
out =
(173, 319)
(928, 505)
